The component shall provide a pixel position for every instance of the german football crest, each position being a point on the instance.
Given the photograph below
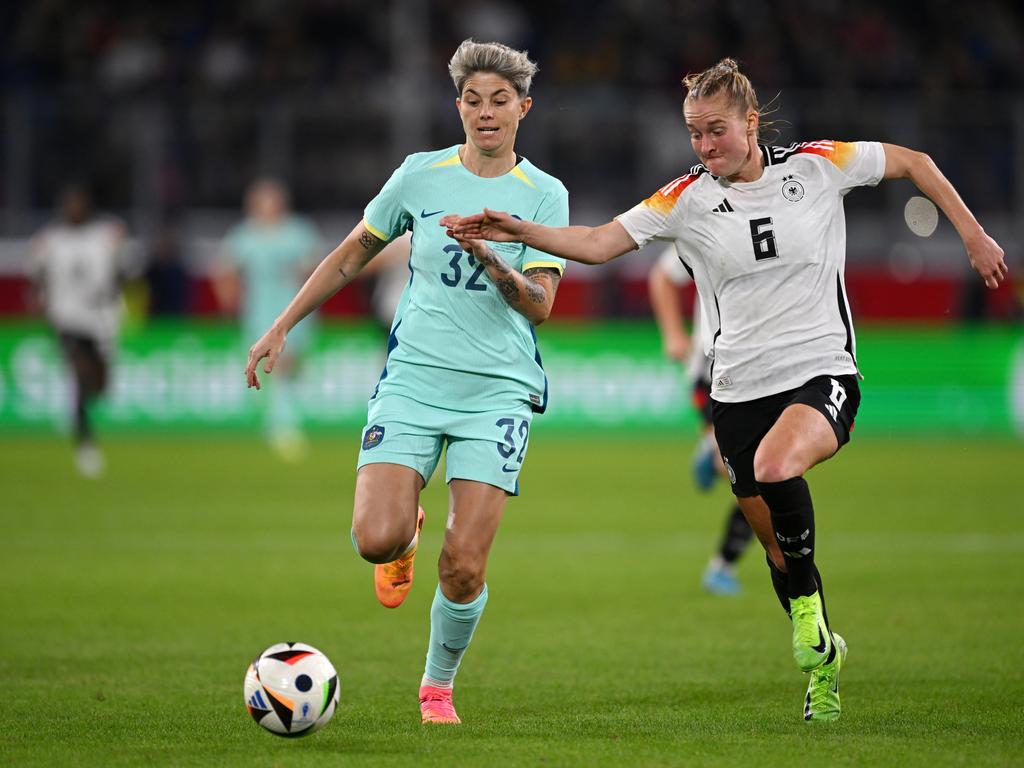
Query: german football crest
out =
(792, 189)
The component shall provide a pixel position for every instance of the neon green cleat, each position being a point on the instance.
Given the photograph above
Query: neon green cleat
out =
(811, 638)
(822, 700)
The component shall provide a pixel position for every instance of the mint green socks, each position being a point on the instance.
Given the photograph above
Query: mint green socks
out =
(451, 629)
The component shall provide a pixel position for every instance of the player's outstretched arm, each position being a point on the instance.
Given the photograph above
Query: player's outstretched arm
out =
(984, 253)
(336, 271)
(587, 245)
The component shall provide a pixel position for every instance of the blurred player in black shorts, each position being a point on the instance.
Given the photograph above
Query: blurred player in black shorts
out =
(663, 283)
(77, 265)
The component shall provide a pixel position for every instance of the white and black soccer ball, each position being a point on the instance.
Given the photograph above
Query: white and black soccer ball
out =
(291, 689)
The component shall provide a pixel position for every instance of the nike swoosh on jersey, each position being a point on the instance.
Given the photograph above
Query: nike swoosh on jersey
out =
(504, 468)
(425, 215)
(452, 650)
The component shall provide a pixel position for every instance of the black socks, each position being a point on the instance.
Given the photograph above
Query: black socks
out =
(736, 537)
(793, 520)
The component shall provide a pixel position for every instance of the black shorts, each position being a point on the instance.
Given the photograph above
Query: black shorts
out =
(87, 359)
(77, 344)
(701, 398)
(740, 427)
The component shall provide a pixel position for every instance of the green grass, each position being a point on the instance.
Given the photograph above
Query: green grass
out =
(131, 606)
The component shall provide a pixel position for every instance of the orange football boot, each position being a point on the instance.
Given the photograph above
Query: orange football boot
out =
(392, 580)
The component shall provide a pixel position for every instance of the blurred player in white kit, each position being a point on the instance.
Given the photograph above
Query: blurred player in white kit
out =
(78, 266)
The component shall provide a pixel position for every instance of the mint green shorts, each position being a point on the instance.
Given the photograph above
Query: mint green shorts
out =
(487, 447)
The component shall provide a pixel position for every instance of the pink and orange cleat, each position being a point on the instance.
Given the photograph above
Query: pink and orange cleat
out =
(392, 580)
(436, 705)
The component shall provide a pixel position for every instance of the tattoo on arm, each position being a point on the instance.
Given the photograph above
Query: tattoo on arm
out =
(490, 259)
(553, 273)
(508, 289)
(343, 273)
(367, 240)
(535, 290)
(508, 286)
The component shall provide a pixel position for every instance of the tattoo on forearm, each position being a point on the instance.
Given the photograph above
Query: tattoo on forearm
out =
(508, 288)
(367, 240)
(343, 273)
(490, 259)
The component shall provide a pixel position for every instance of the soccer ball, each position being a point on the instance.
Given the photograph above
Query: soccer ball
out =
(291, 689)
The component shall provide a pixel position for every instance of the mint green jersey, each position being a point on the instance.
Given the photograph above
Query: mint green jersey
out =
(274, 262)
(455, 342)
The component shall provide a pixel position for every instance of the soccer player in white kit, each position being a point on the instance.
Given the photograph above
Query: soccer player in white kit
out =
(77, 265)
(762, 229)
(663, 282)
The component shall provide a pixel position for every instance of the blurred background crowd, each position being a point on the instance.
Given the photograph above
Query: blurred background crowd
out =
(168, 111)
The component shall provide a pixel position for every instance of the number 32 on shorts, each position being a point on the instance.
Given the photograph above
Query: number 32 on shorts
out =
(513, 440)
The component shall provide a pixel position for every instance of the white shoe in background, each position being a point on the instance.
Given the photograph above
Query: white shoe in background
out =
(89, 461)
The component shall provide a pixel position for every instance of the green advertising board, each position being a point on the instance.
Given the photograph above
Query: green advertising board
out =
(611, 375)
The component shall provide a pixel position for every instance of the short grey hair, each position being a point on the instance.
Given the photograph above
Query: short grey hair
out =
(472, 57)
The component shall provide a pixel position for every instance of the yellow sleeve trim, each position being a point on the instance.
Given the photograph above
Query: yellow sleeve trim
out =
(375, 232)
(453, 160)
(548, 264)
(518, 173)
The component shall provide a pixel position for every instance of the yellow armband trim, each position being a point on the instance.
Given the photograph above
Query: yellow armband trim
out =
(375, 232)
(547, 264)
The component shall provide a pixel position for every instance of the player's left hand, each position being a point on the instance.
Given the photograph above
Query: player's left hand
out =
(987, 259)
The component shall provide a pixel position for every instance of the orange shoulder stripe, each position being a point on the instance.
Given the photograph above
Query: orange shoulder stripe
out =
(665, 199)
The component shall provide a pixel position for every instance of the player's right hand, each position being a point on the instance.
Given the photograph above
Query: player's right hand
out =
(987, 258)
(270, 346)
(496, 226)
(677, 348)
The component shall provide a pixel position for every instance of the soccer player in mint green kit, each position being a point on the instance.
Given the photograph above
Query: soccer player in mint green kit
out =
(266, 258)
(463, 369)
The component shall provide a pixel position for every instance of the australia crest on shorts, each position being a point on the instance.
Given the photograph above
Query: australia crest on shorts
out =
(373, 437)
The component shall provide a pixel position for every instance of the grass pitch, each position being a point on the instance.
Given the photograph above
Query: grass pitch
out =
(131, 606)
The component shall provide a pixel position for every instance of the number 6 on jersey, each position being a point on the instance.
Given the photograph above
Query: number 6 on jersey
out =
(763, 236)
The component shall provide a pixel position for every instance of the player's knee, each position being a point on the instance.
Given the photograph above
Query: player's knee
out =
(461, 577)
(377, 544)
(775, 468)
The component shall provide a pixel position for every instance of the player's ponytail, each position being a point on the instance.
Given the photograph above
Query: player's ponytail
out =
(725, 77)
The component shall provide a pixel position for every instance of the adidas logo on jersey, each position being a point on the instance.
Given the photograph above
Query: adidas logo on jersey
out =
(723, 207)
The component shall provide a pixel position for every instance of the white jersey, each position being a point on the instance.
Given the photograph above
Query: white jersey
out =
(768, 258)
(80, 269)
(698, 366)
